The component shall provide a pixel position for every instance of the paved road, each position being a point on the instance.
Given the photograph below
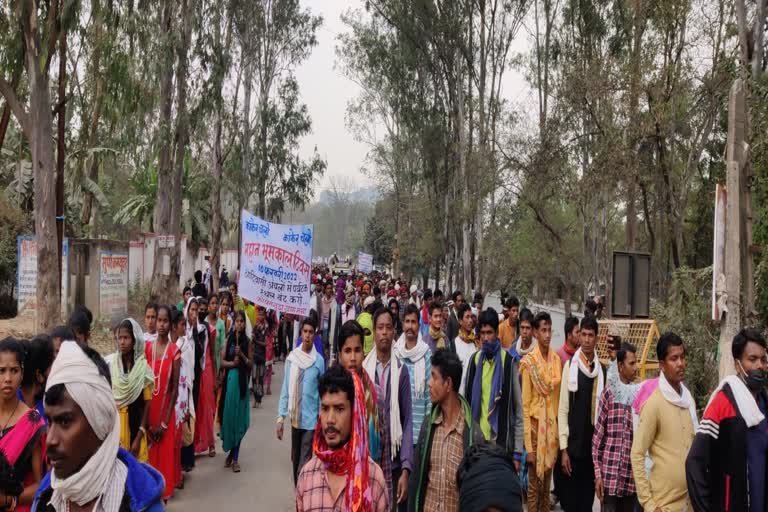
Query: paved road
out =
(265, 482)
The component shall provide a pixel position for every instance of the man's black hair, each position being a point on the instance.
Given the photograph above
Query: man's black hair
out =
(62, 332)
(310, 321)
(186, 289)
(393, 301)
(541, 316)
(79, 322)
(39, 356)
(411, 309)
(427, 294)
(513, 302)
(525, 315)
(434, 306)
(376, 291)
(150, 305)
(742, 338)
(350, 329)
(478, 299)
(438, 293)
(336, 379)
(589, 323)
(449, 365)
(455, 295)
(54, 394)
(570, 323)
(478, 452)
(463, 310)
(198, 276)
(382, 311)
(625, 348)
(233, 283)
(489, 317)
(666, 341)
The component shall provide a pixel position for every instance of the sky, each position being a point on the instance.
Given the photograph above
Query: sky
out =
(326, 92)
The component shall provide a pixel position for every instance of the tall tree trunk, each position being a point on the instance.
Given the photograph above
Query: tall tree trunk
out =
(221, 69)
(43, 169)
(263, 174)
(93, 128)
(181, 138)
(162, 219)
(37, 126)
(5, 118)
(61, 149)
(638, 29)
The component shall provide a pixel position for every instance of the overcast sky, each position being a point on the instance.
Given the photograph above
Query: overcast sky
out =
(326, 92)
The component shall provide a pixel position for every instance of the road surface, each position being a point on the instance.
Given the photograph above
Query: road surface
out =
(265, 482)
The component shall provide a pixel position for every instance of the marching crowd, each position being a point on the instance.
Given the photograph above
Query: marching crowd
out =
(397, 399)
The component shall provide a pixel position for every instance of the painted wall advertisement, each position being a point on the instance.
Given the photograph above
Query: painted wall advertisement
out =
(113, 283)
(275, 264)
(26, 276)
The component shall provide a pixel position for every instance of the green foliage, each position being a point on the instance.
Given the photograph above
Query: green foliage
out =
(380, 233)
(687, 312)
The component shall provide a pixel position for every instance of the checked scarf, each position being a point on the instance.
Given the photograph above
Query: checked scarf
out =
(438, 336)
(545, 377)
(352, 458)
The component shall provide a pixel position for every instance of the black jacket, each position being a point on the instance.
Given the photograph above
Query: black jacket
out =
(716, 467)
(510, 434)
(419, 479)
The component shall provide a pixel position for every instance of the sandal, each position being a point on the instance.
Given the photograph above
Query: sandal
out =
(212, 451)
(228, 462)
(235, 467)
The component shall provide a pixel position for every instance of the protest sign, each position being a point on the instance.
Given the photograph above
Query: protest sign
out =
(275, 264)
(364, 262)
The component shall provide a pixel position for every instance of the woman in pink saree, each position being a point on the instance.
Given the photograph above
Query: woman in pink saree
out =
(21, 434)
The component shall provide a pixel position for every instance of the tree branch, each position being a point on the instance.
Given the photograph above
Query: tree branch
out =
(16, 107)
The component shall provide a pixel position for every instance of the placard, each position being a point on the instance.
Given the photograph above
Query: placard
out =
(364, 262)
(113, 284)
(26, 275)
(275, 264)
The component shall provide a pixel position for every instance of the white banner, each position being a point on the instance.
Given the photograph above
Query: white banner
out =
(113, 284)
(364, 262)
(275, 264)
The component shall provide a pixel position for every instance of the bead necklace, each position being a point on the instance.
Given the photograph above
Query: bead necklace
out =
(157, 376)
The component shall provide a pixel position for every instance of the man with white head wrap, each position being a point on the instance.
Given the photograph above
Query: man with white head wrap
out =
(91, 473)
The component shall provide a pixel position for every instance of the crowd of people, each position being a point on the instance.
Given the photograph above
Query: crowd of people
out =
(397, 399)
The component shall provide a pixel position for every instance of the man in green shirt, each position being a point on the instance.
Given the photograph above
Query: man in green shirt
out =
(493, 389)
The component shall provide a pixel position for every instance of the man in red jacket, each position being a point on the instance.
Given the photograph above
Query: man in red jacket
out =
(726, 465)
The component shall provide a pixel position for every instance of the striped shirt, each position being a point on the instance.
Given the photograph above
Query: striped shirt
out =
(421, 406)
(313, 492)
(108, 501)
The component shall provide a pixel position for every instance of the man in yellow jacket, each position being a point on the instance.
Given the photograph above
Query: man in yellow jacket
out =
(667, 426)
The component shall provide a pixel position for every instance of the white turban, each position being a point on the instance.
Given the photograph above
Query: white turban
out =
(91, 391)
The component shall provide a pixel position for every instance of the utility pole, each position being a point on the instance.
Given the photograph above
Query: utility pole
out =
(738, 258)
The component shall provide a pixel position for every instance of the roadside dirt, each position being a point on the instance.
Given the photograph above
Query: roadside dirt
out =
(24, 327)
